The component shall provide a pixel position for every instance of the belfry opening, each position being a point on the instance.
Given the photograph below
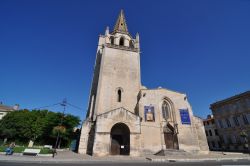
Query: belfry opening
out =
(120, 139)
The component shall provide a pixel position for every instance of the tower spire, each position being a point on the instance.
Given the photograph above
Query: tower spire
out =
(121, 25)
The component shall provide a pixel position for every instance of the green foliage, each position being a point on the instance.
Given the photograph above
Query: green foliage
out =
(59, 129)
(19, 149)
(37, 125)
(46, 151)
(2, 148)
(243, 134)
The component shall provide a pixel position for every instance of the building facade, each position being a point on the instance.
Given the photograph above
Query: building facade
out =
(4, 109)
(126, 118)
(211, 131)
(232, 119)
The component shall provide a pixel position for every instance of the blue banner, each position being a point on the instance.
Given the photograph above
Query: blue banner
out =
(185, 118)
(149, 113)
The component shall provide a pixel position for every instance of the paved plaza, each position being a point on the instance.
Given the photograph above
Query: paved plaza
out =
(71, 157)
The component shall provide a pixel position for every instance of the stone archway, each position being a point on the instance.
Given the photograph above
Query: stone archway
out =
(120, 139)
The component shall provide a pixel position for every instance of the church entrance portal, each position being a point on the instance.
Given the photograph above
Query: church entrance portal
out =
(120, 139)
(170, 138)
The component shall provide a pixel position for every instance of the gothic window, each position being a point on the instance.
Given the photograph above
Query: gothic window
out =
(121, 43)
(112, 40)
(165, 110)
(119, 95)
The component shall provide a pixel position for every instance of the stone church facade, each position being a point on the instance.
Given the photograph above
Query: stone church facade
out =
(126, 118)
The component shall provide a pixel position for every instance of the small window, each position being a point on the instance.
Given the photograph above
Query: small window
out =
(119, 95)
(112, 40)
(206, 133)
(121, 43)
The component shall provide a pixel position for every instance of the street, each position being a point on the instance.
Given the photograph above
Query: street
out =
(98, 163)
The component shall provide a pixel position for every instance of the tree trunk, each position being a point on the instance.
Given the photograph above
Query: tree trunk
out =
(5, 140)
(31, 143)
(59, 144)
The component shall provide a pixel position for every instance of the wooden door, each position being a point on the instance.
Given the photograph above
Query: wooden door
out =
(115, 147)
(169, 141)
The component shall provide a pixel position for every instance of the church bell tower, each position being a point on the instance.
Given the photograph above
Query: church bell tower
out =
(113, 97)
(116, 81)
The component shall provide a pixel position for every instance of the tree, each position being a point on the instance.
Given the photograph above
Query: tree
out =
(34, 125)
(7, 128)
(37, 125)
(59, 131)
(64, 132)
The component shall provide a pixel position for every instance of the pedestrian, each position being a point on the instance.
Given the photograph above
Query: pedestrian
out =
(12, 145)
(10, 149)
(54, 152)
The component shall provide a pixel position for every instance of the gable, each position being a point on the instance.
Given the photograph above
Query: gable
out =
(105, 121)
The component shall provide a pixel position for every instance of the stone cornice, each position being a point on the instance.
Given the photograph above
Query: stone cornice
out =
(230, 100)
(121, 47)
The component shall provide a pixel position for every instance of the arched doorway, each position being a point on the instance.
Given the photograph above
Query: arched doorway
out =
(120, 139)
(170, 137)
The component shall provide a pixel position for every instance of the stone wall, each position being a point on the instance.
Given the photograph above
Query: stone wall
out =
(104, 124)
(188, 135)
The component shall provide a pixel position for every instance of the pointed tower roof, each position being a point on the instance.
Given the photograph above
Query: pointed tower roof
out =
(121, 25)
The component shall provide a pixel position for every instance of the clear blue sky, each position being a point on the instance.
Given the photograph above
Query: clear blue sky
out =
(47, 48)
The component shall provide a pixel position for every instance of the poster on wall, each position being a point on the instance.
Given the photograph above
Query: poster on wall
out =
(185, 118)
(149, 113)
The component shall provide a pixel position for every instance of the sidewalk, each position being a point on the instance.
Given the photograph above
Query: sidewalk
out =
(212, 156)
(71, 157)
